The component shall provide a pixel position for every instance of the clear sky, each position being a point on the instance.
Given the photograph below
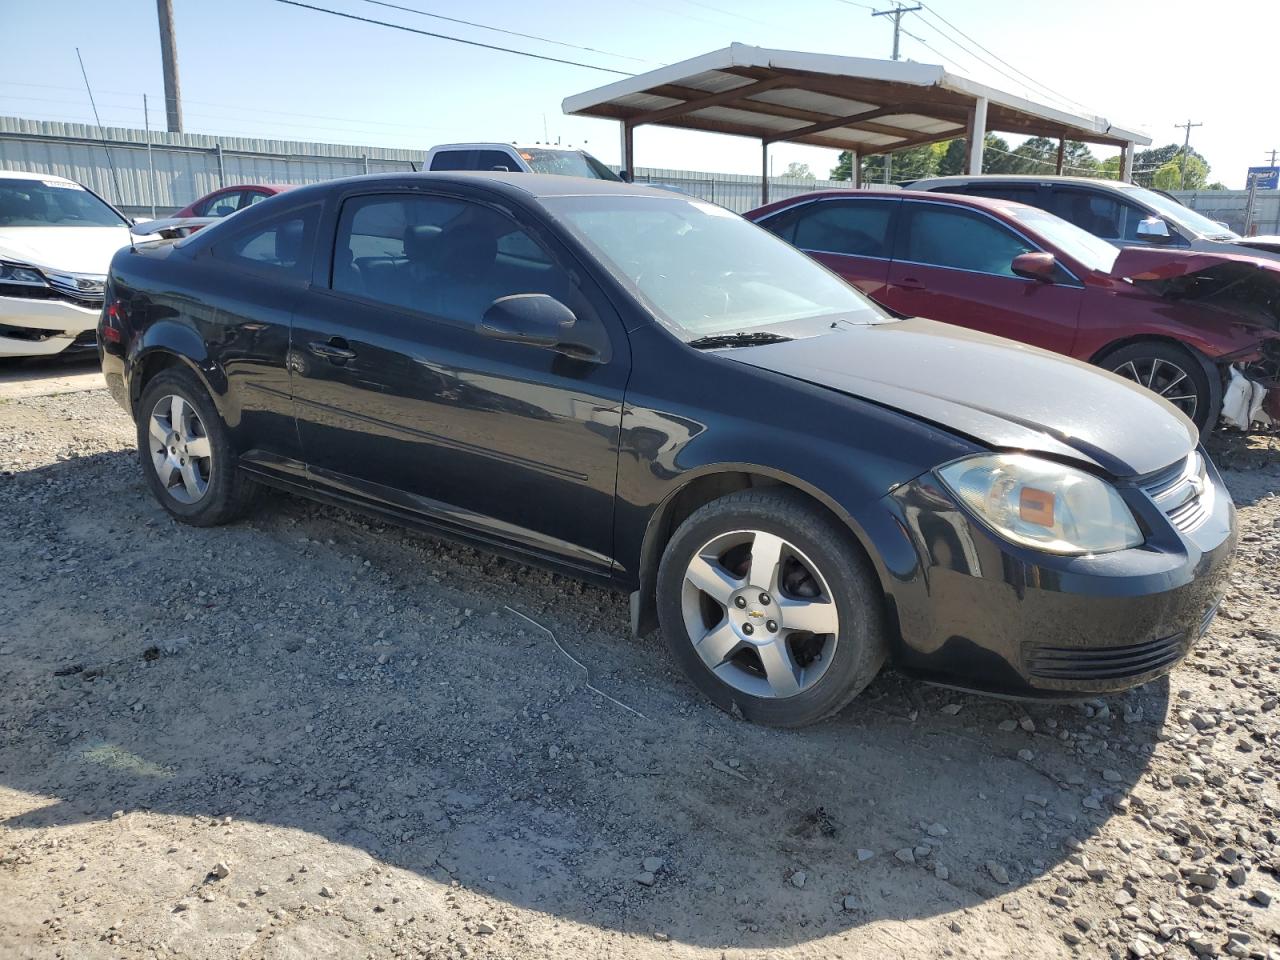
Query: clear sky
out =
(261, 68)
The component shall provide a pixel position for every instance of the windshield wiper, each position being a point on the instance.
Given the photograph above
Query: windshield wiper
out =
(737, 340)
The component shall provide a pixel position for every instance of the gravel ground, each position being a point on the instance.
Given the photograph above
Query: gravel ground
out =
(312, 735)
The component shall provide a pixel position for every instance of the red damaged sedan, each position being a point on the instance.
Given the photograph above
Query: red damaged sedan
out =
(1174, 321)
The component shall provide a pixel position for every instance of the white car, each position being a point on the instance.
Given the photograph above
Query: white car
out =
(512, 158)
(56, 243)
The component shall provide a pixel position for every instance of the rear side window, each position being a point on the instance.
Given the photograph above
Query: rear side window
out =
(849, 227)
(452, 160)
(942, 236)
(280, 246)
(1018, 194)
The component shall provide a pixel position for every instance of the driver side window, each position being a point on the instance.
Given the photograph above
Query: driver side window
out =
(943, 236)
(447, 258)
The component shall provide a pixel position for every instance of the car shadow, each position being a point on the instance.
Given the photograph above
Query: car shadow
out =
(312, 669)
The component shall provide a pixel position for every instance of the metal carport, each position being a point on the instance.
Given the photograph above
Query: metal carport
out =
(849, 103)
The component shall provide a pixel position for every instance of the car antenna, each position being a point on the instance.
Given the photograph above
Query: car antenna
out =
(115, 179)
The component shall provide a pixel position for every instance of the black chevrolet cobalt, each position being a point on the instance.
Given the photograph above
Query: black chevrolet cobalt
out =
(647, 391)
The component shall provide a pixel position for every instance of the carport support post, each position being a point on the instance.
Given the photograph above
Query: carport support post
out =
(1062, 151)
(628, 152)
(855, 164)
(977, 134)
(1126, 163)
(764, 172)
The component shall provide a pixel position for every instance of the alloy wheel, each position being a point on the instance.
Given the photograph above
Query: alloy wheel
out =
(1163, 378)
(180, 449)
(760, 614)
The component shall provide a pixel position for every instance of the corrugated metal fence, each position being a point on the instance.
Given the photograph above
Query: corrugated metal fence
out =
(739, 192)
(1229, 206)
(189, 165)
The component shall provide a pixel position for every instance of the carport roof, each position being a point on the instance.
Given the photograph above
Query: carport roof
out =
(849, 103)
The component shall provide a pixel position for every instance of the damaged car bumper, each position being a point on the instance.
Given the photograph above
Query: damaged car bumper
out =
(36, 327)
(985, 614)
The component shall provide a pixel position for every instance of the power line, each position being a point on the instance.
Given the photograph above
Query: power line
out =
(509, 33)
(934, 50)
(445, 36)
(1027, 76)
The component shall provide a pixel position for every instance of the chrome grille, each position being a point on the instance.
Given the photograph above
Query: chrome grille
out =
(1183, 492)
(79, 288)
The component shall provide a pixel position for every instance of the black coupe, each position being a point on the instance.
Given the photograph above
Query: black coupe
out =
(646, 390)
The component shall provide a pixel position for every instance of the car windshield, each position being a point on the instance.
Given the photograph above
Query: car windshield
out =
(706, 271)
(1081, 245)
(1185, 217)
(567, 163)
(52, 203)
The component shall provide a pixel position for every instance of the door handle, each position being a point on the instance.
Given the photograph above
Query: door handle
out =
(911, 283)
(335, 349)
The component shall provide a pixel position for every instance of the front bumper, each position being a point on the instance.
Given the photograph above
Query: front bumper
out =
(38, 328)
(987, 615)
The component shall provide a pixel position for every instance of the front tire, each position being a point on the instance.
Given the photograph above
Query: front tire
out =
(770, 609)
(1174, 373)
(185, 452)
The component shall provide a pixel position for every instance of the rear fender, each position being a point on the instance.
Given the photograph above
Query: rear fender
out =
(169, 339)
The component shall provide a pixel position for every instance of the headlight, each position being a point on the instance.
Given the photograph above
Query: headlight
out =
(19, 273)
(1043, 504)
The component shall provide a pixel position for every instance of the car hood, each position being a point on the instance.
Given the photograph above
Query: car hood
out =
(1005, 395)
(1145, 263)
(68, 249)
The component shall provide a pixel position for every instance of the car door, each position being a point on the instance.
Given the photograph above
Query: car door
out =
(953, 263)
(851, 237)
(1107, 216)
(401, 401)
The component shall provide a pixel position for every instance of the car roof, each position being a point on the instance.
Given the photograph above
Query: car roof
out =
(273, 187)
(506, 145)
(985, 203)
(32, 175)
(535, 185)
(1025, 178)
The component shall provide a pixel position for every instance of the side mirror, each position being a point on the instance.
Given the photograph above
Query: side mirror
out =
(535, 319)
(1035, 266)
(1153, 230)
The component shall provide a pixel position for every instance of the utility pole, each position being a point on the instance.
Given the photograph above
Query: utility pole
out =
(896, 13)
(169, 59)
(1186, 148)
(1273, 156)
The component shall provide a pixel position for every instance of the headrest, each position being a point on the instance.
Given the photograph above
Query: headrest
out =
(419, 242)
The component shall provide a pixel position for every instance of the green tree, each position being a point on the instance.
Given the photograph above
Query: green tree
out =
(1147, 162)
(954, 159)
(914, 163)
(798, 171)
(1172, 176)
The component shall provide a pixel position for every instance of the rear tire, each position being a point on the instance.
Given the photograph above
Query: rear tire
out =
(185, 452)
(786, 641)
(1173, 372)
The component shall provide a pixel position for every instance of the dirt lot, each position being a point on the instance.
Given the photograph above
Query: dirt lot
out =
(309, 735)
